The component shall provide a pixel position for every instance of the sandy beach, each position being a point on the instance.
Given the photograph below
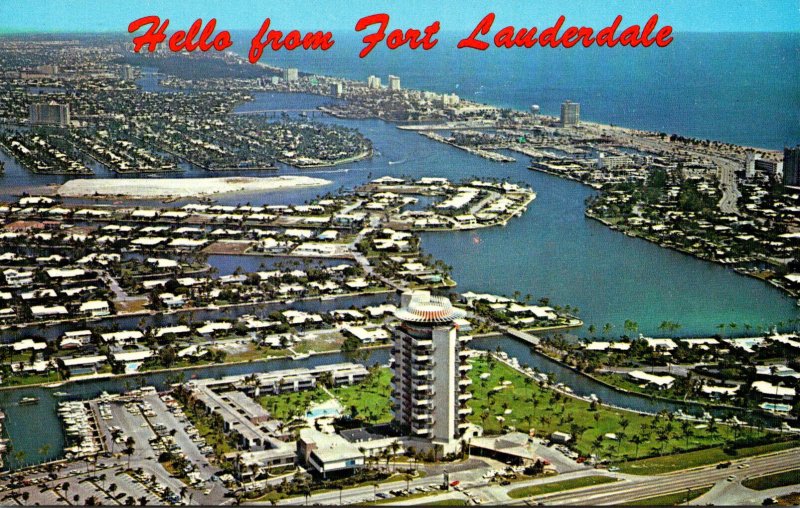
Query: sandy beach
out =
(139, 188)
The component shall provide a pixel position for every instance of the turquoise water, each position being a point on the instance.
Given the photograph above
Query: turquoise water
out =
(553, 250)
(704, 85)
(783, 408)
(738, 87)
(320, 412)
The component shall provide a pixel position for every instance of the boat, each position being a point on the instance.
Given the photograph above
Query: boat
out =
(300, 356)
(28, 400)
(60, 394)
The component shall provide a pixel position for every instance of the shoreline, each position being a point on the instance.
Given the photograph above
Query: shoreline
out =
(151, 312)
(111, 376)
(634, 234)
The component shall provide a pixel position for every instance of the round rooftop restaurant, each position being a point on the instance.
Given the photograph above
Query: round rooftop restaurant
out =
(424, 308)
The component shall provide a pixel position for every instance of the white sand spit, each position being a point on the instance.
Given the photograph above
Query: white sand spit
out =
(153, 188)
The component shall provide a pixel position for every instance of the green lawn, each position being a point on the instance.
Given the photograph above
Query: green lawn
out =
(371, 398)
(547, 411)
(658, 465)
(548, 488)
(670, 499)
(286, 406)
(773, 480)
(449, 502)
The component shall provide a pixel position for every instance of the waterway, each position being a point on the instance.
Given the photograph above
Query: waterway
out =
(45, 440)
(552, 251)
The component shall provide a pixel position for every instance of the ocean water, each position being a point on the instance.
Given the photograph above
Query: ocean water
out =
(742, 88)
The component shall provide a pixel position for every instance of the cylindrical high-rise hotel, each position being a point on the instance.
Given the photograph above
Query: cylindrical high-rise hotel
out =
(430, 370)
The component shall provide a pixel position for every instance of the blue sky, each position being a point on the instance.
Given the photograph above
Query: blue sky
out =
(339, 15)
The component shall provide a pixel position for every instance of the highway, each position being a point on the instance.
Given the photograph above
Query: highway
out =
(727, 185)
(631, 487)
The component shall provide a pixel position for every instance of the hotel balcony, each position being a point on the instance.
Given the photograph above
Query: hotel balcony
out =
(422, 374)
(464, 353)
(463, 425)
(464, 411)
(423, 364)
(421, 357)
(422, 416)
(420, 431)
(422, 342)
(464, 396)
(464, 338)
(465, 368)
(423, 402)
(464, 382)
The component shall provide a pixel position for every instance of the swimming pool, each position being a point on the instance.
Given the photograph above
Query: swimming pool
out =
(323, 411)
(771, 406)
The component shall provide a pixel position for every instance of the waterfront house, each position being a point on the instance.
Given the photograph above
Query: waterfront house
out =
(660, 382)
(211, 328)
(770, 391)
(173, 330)
(367, 335)
(44, 312)
(28, 344)
(172, 301)
(95, 308)
(76, 339)
(124, 338)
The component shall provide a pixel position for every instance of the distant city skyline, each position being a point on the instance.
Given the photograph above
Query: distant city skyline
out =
(43, 16)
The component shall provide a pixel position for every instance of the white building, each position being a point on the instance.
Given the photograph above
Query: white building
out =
(95, 308)
(394, 82)
(374, 82)
(328, 453)
(290, 74)
(430, 370)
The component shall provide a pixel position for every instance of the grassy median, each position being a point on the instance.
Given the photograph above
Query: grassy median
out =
(549, 488)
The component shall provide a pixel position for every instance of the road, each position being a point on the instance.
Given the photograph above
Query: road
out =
(727, 185)
(467, 473)
(632, 487)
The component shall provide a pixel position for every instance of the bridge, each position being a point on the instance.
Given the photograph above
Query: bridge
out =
(519, 334)
(276, 112)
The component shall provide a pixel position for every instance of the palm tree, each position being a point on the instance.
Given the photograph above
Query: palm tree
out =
(686, 428)
(663, 438)
(44, 449)
(394, 447)
(712, 427)
(621, 436)
(637, 439)
(597, 443)
(129, 449)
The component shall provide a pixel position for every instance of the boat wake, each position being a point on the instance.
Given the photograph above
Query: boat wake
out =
(403, 161)
(343, 170)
